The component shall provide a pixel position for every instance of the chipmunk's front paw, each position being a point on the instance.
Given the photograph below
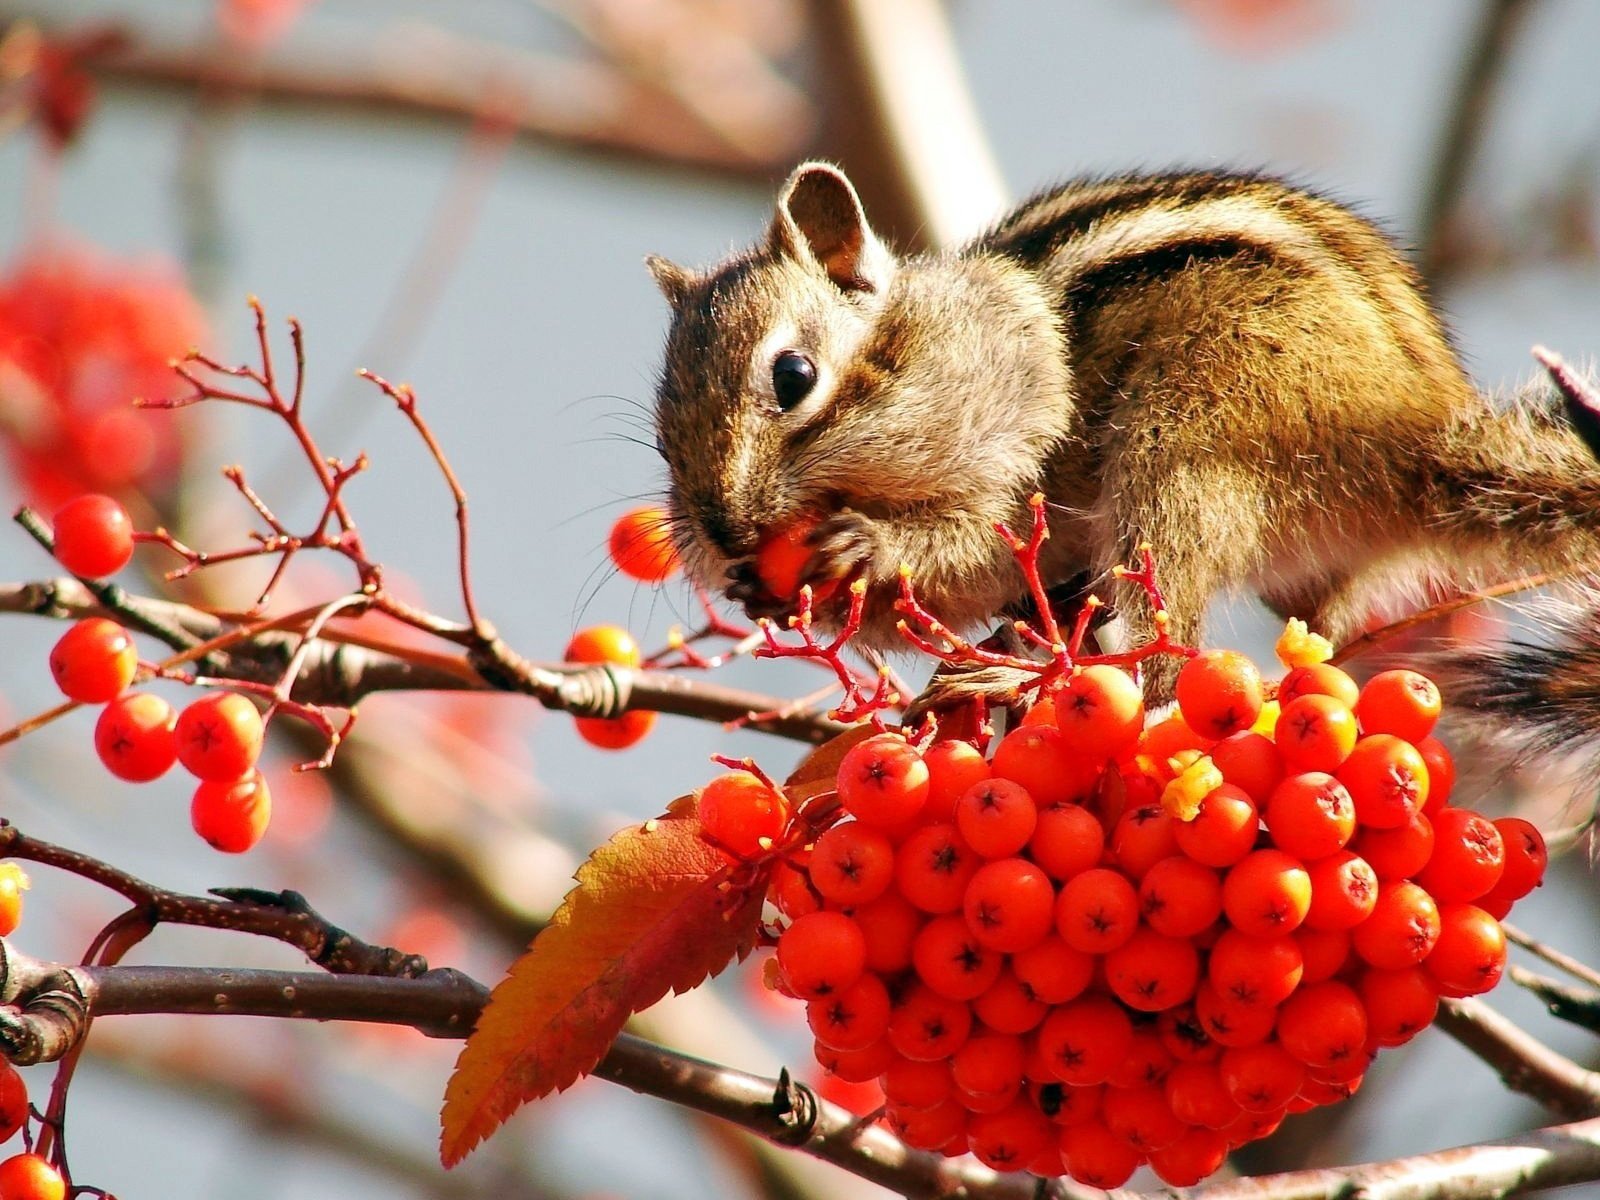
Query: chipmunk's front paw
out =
(844, 546)
(959, 687)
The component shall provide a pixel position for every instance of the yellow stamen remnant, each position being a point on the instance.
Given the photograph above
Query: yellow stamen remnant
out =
(1194, 783)
(1299, 647)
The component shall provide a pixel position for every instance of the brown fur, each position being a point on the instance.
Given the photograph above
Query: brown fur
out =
(1246, 376)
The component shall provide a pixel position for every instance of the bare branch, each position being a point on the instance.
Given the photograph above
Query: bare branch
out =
(1524, 1063)
(1463, 130)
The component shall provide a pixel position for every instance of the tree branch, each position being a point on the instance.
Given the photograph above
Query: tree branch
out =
(433, 72)
(1524, 1063)
(50, 1004)
(341, 673)
(1463, 131)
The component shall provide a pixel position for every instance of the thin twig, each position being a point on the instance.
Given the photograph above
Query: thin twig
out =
(1462, 134)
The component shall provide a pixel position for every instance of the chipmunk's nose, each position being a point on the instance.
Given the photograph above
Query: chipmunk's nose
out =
(736, 539)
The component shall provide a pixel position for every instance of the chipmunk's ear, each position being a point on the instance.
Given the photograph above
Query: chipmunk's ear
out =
(820, 218)
(673, 280)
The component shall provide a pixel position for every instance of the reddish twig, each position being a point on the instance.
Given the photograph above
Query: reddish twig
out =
(858, 703)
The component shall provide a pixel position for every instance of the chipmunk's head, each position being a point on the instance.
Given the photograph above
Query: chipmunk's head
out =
(817, 373)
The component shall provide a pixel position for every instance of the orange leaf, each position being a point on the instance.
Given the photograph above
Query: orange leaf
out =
(818, 771)
(656, 909)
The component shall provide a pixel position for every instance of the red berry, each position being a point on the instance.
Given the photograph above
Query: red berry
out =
(1397, 853)
(1223, 830)
(989, 1064)
(94, 536)
(1197, 1095)
(1219, 693)
(782, 558)
(1322, 679)
(852, 1018)
(883, 781)
(1400, 1003)
(1100, 712)
(1249, 761)
(890, 925)
(13, 1102)
(1400, 702)
(1011, 1139)
(1053, 971)
(1441, 773)
(13, 882)
(616, 733)
(1084, 1041)
(29, 1177)
(1324, 1025)
(1097, 911)
(1263, 1077)
(134, 737)
(1036, 756)
(1469, 856)
(932, 868)
(996, 817)
(1402, 929)
(1344, 890)
(928, 1027)
(1009, 905)
(1315, 733)
(1142, 838)
(610, 644)
(1010, 1006)
(1526, 857)
(1260, 971)
(1179, 897)
(603, 644)
(1198, 1153)
(1096, 1157)
(738, 810)
(1267, 893)
(1067, 841)
(821, 954)
(641, 545)
(232, 815)
(1150, 972)
(1326, 951)
(1141, 1117)
(219, 736)
(952, 961)
(1230, 1023)
(1470, 955)
(953, 768)
(94, 661)
(1387, 779)
(1310, 815)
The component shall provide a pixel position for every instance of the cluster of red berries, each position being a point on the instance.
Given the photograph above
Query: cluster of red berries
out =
(80, 332)
(139, 736)
(1108, 945)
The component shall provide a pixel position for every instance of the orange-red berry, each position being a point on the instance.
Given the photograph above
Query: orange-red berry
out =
(1219, 693)
(94, 536)
(232, 815)
(641, 545)
(134, 737)
(94, 661)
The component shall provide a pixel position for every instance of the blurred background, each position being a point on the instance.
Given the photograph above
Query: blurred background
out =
(460, 196)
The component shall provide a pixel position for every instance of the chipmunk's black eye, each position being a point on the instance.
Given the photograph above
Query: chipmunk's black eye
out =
(793, 377)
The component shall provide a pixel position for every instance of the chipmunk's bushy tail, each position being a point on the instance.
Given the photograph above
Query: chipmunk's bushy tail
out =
(1536, 699)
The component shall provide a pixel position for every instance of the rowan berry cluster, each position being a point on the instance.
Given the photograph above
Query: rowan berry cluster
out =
(1107, 944)
(139, 736)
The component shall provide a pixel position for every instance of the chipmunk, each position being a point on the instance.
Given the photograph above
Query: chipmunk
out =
(1241, 374)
